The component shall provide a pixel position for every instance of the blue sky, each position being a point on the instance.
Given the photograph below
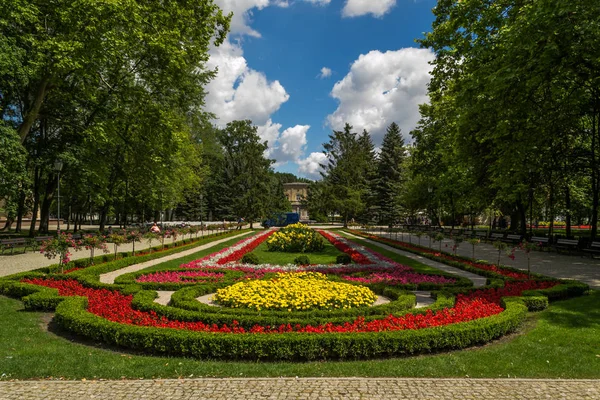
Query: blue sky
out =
(301, 68)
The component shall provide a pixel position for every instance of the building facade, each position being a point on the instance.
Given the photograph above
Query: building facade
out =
(296, 192)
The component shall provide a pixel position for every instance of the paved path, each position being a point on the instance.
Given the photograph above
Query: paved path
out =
(111, 276)
(13, 264)
(478, 280)
(584, 269)
(306, 388)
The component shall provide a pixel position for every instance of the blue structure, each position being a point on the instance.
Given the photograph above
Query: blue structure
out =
(281, 220)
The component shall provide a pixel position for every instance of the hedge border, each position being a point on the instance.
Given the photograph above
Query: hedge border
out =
(71, 314)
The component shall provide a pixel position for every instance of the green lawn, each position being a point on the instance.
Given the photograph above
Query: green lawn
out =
(327, 256)
(560, 342)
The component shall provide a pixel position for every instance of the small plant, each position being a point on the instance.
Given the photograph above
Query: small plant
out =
(439, 238)
(93, 242)
(473, 242)
(117, 239)
(457, 242)
(59, 246)
(500, 246)
(132, 237)
(419, 234)
(302, 260)
(527, 247)
(343, 259)
(250, 258)
(150, 236)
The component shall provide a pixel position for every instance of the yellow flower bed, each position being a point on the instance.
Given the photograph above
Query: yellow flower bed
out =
(295, 238)
(295, 291)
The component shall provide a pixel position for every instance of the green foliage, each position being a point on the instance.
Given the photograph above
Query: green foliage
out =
(302, 260)
(250, 258)
(71, 314)
(343, 259)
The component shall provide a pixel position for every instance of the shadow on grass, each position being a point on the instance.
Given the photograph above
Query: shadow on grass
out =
(580, 312)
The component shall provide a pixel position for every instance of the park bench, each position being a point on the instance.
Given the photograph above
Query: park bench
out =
(593, 249)
(76, 236)
(6, 244)
(497, 236)
(481, 235)
(37, 242)
(513, 238)
(540, 240)
(566, 244)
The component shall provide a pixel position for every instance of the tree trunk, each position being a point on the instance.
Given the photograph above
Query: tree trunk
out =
(103, 213)
(8, 224)
(46, 203)
(36, 200)
(20, 211)
(32, 114)
(522, 218)
(568, 207)
(594, 168)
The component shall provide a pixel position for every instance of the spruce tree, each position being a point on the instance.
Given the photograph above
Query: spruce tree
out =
(390, 174)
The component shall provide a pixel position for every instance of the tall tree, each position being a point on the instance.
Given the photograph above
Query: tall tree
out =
(390, 175)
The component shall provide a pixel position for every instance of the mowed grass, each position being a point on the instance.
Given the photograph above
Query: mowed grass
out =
(560, 342)
(327, 256)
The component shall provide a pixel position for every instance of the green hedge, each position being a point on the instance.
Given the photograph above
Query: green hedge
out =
(72, 315)
(193, 310)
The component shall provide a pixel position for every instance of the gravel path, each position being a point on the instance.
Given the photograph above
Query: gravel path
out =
(306, 388)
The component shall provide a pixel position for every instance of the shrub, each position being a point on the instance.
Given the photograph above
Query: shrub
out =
(343, 259)
(296, 238)
(302, 260)
(250, 258)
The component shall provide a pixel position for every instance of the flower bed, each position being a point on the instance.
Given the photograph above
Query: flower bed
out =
(295, 238)
(295, 291)
(504, 272)
(127, 316)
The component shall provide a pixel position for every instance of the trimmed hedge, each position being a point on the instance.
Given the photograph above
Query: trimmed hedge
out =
(72, 315)
(195, 311)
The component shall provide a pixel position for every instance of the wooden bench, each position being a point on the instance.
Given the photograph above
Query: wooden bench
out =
(566, 244)
(540, 240)
(6, 244)
(497, 236)
(513, 238)
(37, 242)
(481, 234)
(594, 248)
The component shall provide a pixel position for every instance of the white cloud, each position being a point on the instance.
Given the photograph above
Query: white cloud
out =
(282, 3)
(325, 73)
(239, 92)
(319, 2)
(382, 88)
(356, 8)
(241, 14)
(310, 166)
(286, 146)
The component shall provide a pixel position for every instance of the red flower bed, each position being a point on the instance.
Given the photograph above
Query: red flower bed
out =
(485, 267)
(116, 307)
(356, 256)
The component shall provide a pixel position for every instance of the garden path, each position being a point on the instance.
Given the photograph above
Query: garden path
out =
(563, 266)
(478, 281)
(305, 388)
(111, 276)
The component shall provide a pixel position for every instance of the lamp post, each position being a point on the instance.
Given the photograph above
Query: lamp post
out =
(201, 223)
(58, 167)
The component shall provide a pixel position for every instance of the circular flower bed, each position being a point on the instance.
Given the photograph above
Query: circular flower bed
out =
(295, 292)
(295, 238)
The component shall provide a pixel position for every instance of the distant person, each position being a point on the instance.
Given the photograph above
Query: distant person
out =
(155, 228)
(240, 223)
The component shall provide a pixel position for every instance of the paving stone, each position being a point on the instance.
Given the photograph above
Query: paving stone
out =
(306, 388)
